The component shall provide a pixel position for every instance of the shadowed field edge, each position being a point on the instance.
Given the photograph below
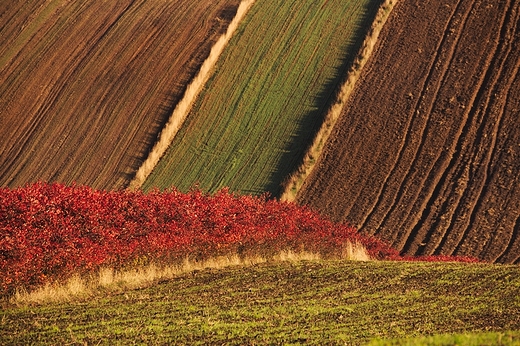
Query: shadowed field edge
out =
(295, 181)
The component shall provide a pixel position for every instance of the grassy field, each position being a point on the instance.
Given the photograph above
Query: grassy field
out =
(335, 302)
(256, 116)
(467, 339)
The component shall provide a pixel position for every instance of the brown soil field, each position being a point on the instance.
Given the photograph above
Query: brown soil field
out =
(426, 153)
(86, 86)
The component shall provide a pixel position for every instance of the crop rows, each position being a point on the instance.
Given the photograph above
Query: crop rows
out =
(86, 86)
(310, 303)
(258, 113)
(426, 152)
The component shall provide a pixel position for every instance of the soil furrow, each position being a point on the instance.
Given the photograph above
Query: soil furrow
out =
(512, 164)
(484, 170)
(511, 253)
(427, 163)
(430, 195)
(358, 130)
(102, 76)
(488, 132)
(476, 153)
(379, 206)
(406, 195)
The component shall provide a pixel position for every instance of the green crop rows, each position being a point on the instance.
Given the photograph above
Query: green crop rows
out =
(272, 85)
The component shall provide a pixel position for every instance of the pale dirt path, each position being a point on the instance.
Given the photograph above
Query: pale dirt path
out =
(184, 106)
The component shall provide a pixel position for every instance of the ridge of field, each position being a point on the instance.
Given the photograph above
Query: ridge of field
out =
(86, 86)
(426, 153)
(260, 110)
(311, 302)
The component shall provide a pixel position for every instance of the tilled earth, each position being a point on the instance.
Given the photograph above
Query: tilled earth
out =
(426, 154)
(86, 86)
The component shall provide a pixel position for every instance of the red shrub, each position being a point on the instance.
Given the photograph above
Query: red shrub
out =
(48, 231)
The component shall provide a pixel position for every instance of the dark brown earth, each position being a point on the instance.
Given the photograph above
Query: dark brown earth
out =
(426, 154)
(86, 86)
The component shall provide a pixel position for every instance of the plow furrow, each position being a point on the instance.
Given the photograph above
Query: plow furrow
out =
(87, 86)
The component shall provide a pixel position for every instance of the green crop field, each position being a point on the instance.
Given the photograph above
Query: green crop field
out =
(258, 113)
(310, 302)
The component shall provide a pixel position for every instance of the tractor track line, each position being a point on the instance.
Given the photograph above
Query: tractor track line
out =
(427, 215)
(498, 74)
(405, 143)
(481, 193)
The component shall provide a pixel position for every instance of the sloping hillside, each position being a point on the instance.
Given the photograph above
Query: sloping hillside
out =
(310, 303)
(426, 154)
(86, 86)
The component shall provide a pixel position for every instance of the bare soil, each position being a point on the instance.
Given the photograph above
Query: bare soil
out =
(86, 86)
(426, 154)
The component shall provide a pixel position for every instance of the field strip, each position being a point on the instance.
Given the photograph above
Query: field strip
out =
(409, 134)
(437, 176)
(184, 106)
(310, 302)
(515, 234)
(454, 103)
(501, 73)
(501, 82)
(294, 183)
(28, 30)
(409, 149)
(86, 95)
(258, 113)
(430, 178)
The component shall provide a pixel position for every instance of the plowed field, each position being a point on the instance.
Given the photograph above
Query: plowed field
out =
(86, 86)
(426, 154)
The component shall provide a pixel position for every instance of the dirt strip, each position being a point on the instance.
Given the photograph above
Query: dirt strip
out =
(86, 86)
(182, 109)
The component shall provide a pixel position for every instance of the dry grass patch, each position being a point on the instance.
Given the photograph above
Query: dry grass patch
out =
(111, 280)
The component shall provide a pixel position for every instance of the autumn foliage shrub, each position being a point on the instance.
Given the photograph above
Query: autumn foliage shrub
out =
(49, 231)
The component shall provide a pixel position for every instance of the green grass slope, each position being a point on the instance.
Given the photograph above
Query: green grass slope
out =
(466, 339)
(256, 116)
(333, 302)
